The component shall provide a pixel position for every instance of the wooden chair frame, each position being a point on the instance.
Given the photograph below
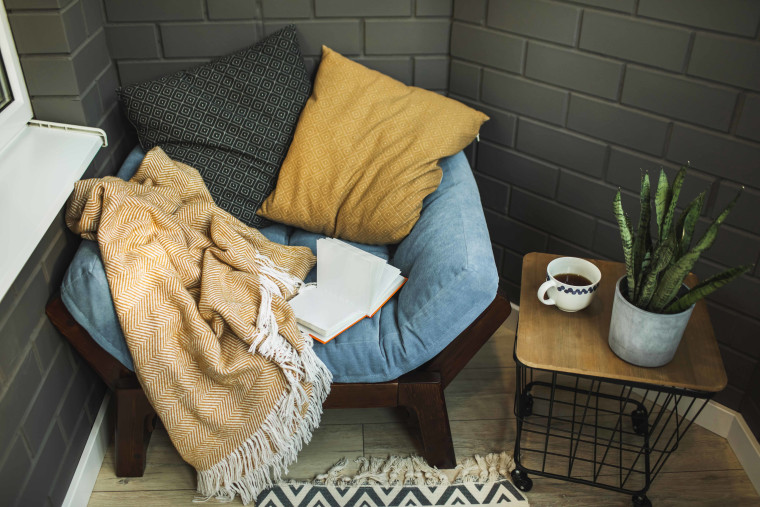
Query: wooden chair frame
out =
(420, 391)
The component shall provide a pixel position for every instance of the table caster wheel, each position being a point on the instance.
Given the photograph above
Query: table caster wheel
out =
(641, 501)
(639, 421)
(526, 405)
(521, 480)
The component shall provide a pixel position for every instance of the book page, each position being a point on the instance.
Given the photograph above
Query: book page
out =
(324, 312)
(341, 270)
(393, 282)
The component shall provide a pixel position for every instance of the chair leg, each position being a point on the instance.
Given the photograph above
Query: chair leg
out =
(135, 421)
(423, 395)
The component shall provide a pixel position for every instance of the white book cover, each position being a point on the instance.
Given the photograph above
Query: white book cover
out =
(351, 284)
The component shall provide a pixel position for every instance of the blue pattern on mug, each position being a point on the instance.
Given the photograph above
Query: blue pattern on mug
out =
(575, 292)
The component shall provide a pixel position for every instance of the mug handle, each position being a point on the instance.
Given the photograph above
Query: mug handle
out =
(542, 292)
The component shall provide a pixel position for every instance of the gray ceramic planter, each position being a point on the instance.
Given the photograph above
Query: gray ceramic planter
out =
(644, 338)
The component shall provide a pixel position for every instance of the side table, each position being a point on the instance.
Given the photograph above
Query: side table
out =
(585, 415)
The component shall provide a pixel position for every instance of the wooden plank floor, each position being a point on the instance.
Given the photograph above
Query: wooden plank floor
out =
(704, 470)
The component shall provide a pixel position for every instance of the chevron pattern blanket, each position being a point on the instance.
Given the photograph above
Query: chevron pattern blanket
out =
(202, 299)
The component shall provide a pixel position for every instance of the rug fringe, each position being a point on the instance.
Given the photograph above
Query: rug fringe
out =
(414, 470)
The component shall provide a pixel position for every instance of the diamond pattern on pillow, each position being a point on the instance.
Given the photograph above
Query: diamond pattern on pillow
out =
(232, 119)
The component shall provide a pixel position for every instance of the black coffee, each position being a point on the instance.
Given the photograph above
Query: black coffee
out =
(572, 279)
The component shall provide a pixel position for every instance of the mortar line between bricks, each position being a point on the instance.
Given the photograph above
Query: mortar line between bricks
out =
(180, 22)
(738, 352)
(733, 125)
(38, 388)
(21, 10)
(59, 409)
(514, 132)
(668, 137)
(614, 102)
(528, 156)
(606, 163)
(485, 66)
(81, 419)
(689, 50)
(36, 458)
(479, 95)
(159, 41)
(566, 105)
(492, 179)
(363, 37)
(558, 203)
(179, 59)
(578, 29)
(623, 71)
(589, 253)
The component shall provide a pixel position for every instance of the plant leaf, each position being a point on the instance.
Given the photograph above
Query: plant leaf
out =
(626, 236)
(663, 255)
(640, 241)
(661, 200)
(675, 192)
(688, 222)
(673, 277)
(706, 288)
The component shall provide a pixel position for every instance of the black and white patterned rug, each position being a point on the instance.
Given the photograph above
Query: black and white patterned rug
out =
(499, 493)
(403, 482)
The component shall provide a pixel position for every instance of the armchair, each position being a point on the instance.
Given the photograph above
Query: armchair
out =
(405, 356)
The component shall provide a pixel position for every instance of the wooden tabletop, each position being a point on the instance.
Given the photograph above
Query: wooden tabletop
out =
(550, 339)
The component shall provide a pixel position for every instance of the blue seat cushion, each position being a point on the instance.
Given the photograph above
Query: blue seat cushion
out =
(447, 257)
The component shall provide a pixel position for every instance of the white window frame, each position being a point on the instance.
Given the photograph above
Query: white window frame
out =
(39, 163)
(17, 114)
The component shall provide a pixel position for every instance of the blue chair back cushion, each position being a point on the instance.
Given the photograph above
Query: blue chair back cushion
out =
(448, 258)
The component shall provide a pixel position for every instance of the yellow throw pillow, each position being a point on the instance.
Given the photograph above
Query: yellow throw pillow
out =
(365, 154)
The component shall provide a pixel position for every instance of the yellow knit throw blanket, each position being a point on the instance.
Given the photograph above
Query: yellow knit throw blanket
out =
(202, 299)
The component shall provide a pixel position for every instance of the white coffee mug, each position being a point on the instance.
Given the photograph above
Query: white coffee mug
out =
(570, 293)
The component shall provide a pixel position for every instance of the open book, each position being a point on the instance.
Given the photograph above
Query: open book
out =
(351, 284)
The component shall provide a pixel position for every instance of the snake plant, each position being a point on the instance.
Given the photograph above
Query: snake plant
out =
(656, 267)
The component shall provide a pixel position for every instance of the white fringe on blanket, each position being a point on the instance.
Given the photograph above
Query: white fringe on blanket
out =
(264, 458)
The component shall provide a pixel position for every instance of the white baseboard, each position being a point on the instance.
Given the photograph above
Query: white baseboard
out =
(89, 465)
(728, 424)
(717, 418)
(745, 446)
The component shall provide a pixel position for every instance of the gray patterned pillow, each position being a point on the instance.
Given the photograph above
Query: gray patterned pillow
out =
(232, 119)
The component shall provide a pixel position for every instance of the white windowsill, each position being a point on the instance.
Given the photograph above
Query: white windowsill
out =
(37, 174)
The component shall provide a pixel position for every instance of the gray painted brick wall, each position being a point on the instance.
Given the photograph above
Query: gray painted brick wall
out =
(478, 45)
(571, 69)
(735, 17)
(633, 39)
(655, 84)
(186, 40)
(550, 21)
(525, 97)
(48, 396)
(406, 39)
